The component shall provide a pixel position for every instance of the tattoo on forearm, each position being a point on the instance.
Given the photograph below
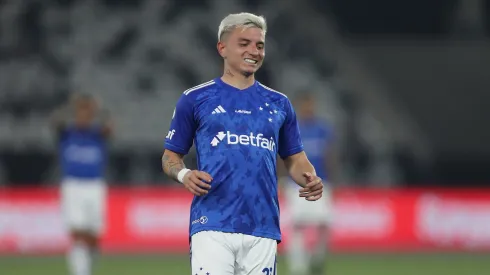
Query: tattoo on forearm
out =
(172, 166)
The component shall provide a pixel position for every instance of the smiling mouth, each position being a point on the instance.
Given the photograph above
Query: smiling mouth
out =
(250, 61)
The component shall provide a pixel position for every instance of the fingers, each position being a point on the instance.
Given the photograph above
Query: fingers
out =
(198, 182)
(202, 179)
(198, 185)
(314, 198)
(202, 184)
(195, 183)
(312, 193)
(313, 189)
(194, 192)
(312, 186)
(314, 182)
(193, 186)
(204, 176)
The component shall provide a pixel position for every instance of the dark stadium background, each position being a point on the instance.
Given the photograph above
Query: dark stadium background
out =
(405, 83)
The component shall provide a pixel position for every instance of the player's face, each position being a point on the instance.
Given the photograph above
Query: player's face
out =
(84, 111)
(244, 50)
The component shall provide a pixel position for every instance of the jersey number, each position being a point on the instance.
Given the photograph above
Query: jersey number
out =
(267, 271)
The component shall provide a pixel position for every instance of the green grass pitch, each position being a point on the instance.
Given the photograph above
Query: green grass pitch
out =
(338, 264)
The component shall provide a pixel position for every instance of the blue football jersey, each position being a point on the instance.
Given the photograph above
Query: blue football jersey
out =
(237, 134)
(82, 152)
(317, 137)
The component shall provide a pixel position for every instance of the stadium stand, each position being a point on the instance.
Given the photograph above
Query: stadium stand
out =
(138, 56)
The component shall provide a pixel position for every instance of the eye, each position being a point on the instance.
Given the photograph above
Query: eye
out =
(260, 47)
(243, 44)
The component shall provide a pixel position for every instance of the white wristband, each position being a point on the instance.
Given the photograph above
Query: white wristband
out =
(181, 174)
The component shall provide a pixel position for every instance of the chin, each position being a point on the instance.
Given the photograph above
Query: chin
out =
(249, 71)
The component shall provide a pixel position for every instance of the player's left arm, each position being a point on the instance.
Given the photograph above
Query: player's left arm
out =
(295, 160)
(303, 173)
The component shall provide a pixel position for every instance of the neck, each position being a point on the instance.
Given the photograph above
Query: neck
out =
(236, 79)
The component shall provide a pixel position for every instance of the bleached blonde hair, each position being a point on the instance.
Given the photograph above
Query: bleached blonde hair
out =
(244, 20)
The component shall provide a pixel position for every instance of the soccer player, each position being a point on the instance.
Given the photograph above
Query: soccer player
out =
(238, 126)
(82, 132)
(317, 139)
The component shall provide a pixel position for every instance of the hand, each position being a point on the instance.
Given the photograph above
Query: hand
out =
(197, 182)
(313, 189)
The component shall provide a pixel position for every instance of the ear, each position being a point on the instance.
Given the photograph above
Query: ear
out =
(221, 49)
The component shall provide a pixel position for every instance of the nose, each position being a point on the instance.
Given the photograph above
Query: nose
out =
(254, 51)
(255, 54)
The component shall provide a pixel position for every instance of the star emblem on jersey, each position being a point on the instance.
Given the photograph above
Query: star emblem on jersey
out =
(218, 138)
(219, 110)
(271, 110)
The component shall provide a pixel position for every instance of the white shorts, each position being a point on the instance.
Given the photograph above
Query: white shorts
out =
(221, 253)
(83, 204)
(305, 212)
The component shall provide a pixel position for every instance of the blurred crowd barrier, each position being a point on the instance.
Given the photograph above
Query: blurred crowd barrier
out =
(156, 220)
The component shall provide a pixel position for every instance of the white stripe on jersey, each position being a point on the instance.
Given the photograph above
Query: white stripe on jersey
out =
(188, 91)
(272, 90)
(221, 109)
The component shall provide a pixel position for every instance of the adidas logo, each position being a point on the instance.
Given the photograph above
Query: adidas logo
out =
(218, 110)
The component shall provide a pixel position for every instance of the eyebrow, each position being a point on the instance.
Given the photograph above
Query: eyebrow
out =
(248, 40)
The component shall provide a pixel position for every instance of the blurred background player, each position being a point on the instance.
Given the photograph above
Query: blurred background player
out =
(317, 141)
(82, 130)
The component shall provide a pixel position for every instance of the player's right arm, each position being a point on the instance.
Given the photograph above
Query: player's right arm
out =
(193, 180)
(177, 144)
